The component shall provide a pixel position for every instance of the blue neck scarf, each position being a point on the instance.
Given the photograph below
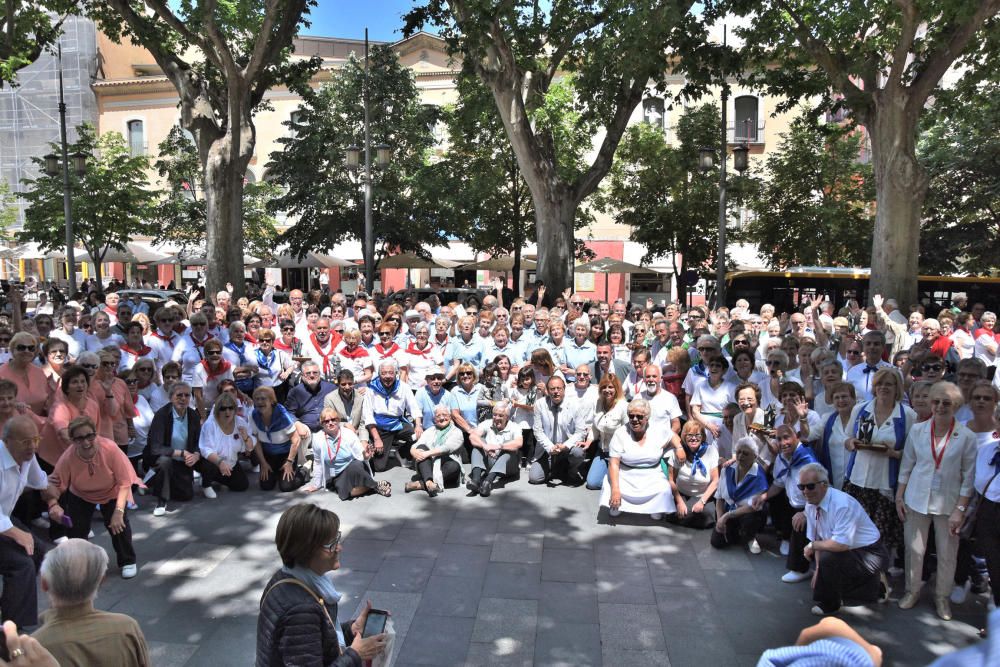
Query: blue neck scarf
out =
(265, 362)
(239, 352)
(383, 421)
(696, 462)
(801, 456)
(752, 484)
(280, 419)
(321, 586)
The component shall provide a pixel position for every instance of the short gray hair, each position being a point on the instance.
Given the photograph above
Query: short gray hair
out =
(179, 385)
(88, 357)
(389, 361)
(821, 474)
(640, 404)
(73, 572)
(309, 363)
(420, 327)
(746, 442)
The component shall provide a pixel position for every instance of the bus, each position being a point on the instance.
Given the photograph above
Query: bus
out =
(784, 289)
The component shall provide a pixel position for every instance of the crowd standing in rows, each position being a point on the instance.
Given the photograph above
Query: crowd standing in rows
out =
(863, 438)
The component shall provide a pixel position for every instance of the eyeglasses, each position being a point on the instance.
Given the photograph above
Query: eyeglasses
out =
(287, 329)
(181, 394)
(932, 368)
(465, 374)
(86, 437)
(810, 486)
(213, 353)
(54, 353)
(89, 367)
(166, 320)
(774, 362)
(583, 375)
(432, 378)
(636, 417)
(706, 349)
(384, 334)
(24, 348)
(854, 352)
(333, 545)
(332, 420)
(131, 381)
(108, 364)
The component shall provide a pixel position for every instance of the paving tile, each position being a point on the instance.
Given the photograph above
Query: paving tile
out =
(500, 619)
(224, 653)
(631, 626)
(402, 607)
(569, 565)
(170, 654)
(463, 560)
(503, 652)
(625, 584)
(615, 656)
(400, 574)
(568, 644)
(417, 542)
(521, 581)
(363, 554)
(194, 560)
(472, 531)
(517, 548)
(424, 646)
(568, 603)
(450, 596)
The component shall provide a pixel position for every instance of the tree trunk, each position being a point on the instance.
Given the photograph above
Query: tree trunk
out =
(900, 185)
(554, 217)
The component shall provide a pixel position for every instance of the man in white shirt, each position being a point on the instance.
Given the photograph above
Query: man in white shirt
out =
(861, 376)
(21, 553)
(493, 446)
(664, 410)
(162, 339)
(845, 545)
(560, 433)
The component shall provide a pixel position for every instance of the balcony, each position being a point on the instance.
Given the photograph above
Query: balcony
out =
(751, 133)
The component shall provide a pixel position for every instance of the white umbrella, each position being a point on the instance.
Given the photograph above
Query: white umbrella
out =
(407, 260)
(196, 257)
(499, 264)
(32, 250)
(134, 253)
(310, 260)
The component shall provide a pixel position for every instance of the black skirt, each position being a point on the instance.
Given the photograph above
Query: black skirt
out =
(353, 476)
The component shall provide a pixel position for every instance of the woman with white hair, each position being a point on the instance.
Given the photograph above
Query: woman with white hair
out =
(635, 481)
(238, 351)
(421, 356)
(436, 455)
(738, 522)
(493, 448)
(354, 357)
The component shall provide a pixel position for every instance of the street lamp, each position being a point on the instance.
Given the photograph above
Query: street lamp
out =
(353, 161)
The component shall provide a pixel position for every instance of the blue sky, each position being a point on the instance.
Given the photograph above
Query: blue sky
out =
(348, 18)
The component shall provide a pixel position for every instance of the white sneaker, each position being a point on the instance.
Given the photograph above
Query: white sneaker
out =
(161, 509)
(784, 548)
(959, 593)
(613, 512)
(793, 577)
(210, 493)
(59, 540)
(754, 547)
(656, 516)
(129, 571)
(90, 535)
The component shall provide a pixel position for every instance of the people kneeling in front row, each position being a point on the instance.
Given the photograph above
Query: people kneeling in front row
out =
(494, 451)
(341, 461)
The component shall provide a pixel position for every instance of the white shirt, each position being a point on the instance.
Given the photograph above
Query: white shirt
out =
(400, 402)
(76, 342)
(691, 482)
(725, 494)
(141, 422)
(163, 348)
(956, 473)
(494, 438)
(813, 421)
(226, 447)
(871, 469)
(95, 344)
(839, 517)
(862, 381)
(14, 478)
(838, 454)
(587, 400)
(249, 356)
(984, 471)
(606, 424)
(789, 481)
(663, 409)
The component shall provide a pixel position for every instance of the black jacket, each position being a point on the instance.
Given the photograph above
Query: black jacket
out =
(161, 431)
(293, 630)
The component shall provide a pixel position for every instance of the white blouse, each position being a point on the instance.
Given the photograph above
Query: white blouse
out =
(606, 423)
(931, 490)
(226, 447)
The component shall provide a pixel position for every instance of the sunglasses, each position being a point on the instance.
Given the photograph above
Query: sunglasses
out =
(808, 487)
(636, 418)
(774, 362)
(432, 378)
(213, 353)
(466, 374)
(24, 348)
(329, 421)
(132, 381)
(854, 352)
(287, 329)
(706, 349)
(87, 437)
(227, 409)
(89, 367)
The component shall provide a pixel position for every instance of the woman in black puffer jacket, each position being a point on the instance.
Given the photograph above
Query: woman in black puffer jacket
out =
(297, 624)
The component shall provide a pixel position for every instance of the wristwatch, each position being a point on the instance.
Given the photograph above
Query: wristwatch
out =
(961, 508)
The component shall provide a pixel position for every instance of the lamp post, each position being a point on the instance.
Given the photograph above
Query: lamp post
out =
(53, 167)
(353, 159)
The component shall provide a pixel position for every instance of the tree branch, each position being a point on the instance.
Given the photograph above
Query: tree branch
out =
(907, 33)
(938, 62)
(268, 46)
(227, 63)
(167, 15)
(627, 100)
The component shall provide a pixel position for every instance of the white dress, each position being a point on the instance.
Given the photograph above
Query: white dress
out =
(644, 490)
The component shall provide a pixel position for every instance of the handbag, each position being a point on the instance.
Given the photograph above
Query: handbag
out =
(968, 529)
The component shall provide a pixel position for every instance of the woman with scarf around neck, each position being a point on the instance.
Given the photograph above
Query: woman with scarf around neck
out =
(738, 522)
(278, 439)
(421, 356)
(635, 481)
(340, 461)
(297, 623)
(936, 477)
(72, 401)
(878, 433)
(55, 355)
(287, 342)
(275, 365)
(837, 429)
(355, 358)
(224, 437)
(750, 423)
(212, 370)
(238, 351)
(694, 479)
(135, 347)
(149, 383)
(436, 454)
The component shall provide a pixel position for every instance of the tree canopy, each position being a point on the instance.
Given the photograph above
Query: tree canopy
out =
(27, 28)
(323, 197)
(813, 204)
(112, 202)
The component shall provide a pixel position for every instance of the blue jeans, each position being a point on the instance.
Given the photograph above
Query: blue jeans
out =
(598, 471)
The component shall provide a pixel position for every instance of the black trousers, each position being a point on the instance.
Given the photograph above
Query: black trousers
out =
(852, 575)
(988, 538)
(82, 513)
(740, 530)
(19, 600)
(451, 471)
(276, 461)
(210, 474)
(781, 514)
(400, 441)
(173, 480)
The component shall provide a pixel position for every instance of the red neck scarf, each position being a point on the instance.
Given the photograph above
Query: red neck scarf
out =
(940, 346)
(167, 339)
(279, 345)
(319, 350)
(250, 339)
(413, 350)
(223, 367)
(141, 352)
(356, 353)
(383, 353)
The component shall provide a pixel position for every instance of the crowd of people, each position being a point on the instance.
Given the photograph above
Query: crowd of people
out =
(864, 440)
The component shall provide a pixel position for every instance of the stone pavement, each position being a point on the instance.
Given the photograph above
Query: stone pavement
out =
(531, 575)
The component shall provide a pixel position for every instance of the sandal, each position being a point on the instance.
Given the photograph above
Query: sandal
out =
(384, 488)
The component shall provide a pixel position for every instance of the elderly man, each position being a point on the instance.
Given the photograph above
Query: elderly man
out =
(162, 339)
(321, 347)
(872, 346)
(664, 410)
(493, 448)
(845, 545)
(434, 394)
(305, 400)
(73, 631)
(560, 430)
(21, 552)
(391, 415)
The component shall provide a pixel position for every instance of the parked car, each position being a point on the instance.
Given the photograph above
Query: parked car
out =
(155, 298)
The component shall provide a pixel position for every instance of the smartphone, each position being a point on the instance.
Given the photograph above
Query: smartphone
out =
(375, 623)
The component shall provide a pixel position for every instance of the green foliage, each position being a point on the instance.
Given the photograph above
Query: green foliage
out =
(111, 203)
(324, 198)
(814, 202)
(26, 29)
(658, 190)
(8, 210)
(180, 212)
(960, 147)
(559, 118)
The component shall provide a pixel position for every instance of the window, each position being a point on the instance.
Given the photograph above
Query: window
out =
(654, 112)
(136, 138)
(296, 119)
(745, 118)
(249, 179)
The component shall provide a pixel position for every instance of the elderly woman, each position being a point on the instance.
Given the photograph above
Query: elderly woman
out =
(56, 357)
(72, 401)
(837, 430)
(635, 481)
(173, 448)
(340, 461)
(117, 407)
(751, 422)
(278, 439)
(936, 478)
(139, 437)
(238, 351)
(355, 358)
(436, 454)
(494, 447)
(275, 366)
(879, 428)
(224, 436)
(297, 623)
(464, 348)
(32, 385)
(467, 396)
(986, 339)
(94, 472)
(610, 415)
(134, 348)
(738, 522)
(103, 336)
(694, 478)
(421, 356)
(711, 397)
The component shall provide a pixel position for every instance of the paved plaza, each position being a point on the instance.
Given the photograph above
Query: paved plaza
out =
(531, 575)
